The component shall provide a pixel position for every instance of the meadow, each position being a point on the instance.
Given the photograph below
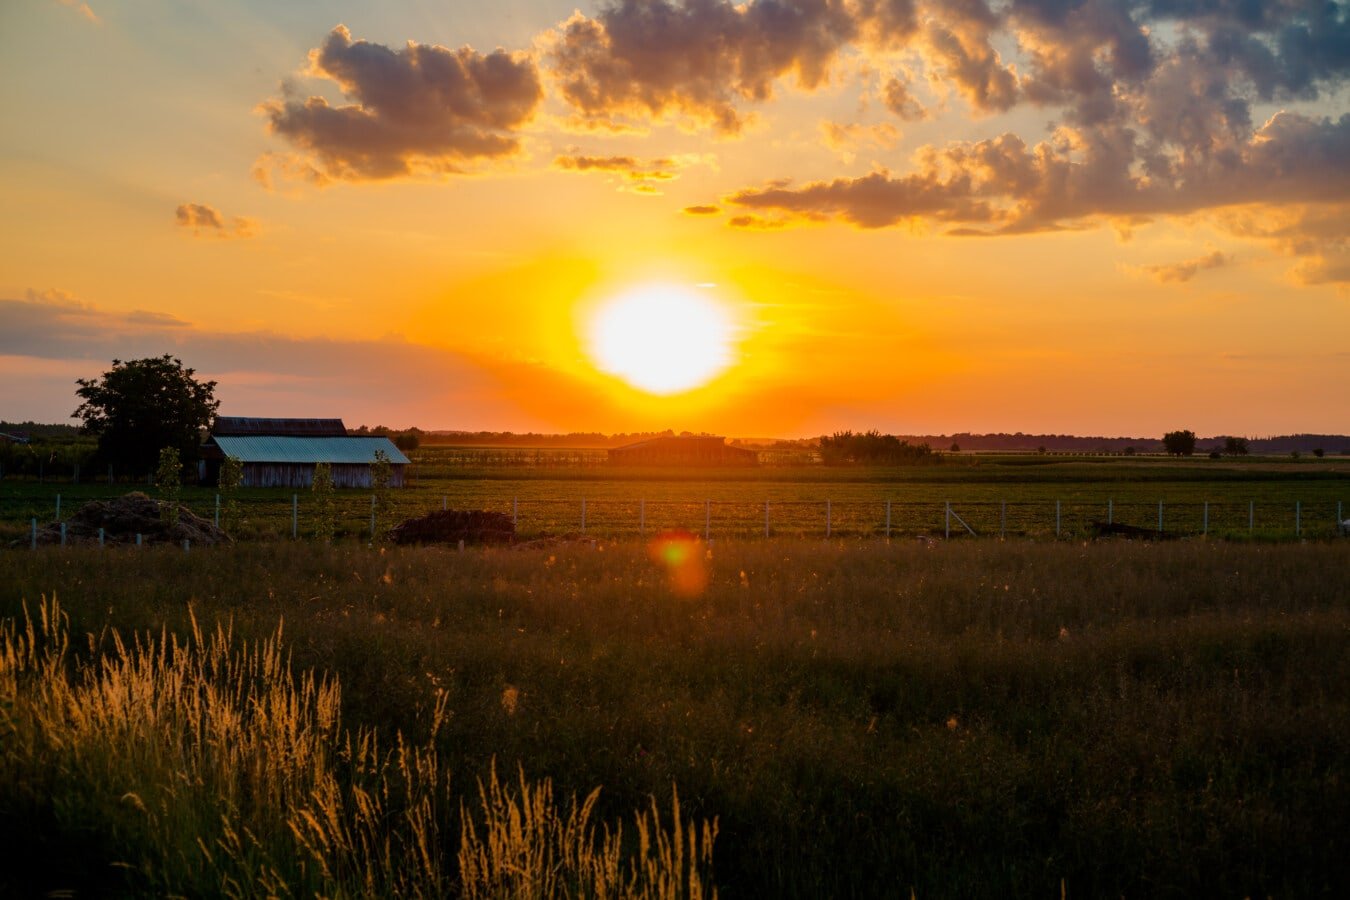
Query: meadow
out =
(858, 717)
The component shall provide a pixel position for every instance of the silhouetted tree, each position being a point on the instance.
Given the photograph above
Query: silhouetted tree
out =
(1319, 452)
(141, 406)
(1179, 443)
(872, 447)
(1235, 446)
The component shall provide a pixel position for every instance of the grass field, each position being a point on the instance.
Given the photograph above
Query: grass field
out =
(966, 719)
(1009, 494)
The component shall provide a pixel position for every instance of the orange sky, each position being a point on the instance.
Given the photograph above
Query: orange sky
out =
(1075, 216)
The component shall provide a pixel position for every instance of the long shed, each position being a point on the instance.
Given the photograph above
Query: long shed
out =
(684, 450)
(284, 452)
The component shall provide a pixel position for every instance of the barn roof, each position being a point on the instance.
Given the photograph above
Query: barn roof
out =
(247, 425)
(287, 449)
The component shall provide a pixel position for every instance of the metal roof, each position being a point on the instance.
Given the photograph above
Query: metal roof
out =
(242, 425)
(284, 449)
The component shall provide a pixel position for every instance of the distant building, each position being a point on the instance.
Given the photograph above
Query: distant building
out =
(284, 452)
(688, 450)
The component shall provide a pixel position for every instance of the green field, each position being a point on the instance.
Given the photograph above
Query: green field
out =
(963, 719)
(995, 494)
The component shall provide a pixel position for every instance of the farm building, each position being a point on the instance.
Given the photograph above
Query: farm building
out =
(284, 452)
(686, 450)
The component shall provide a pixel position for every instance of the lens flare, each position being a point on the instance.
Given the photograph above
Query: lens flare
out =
(678, 553)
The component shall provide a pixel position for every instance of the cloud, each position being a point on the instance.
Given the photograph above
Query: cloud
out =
(898, 99)
(203, 220)
(693, 62)
(54, 297)
(83, 9)
(701, 210)
(419, 110)
(641, 176)
(847, 140)
(1184, 271)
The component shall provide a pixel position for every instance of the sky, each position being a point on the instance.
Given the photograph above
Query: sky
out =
(1111, 217)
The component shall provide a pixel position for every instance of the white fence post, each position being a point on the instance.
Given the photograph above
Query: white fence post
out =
(138, 539)
(100, 539)
(33, 533)
(186, 545)
(58, 507)
(63, 534)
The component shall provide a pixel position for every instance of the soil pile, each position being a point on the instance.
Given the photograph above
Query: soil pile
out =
(127, 516)
(450, 526)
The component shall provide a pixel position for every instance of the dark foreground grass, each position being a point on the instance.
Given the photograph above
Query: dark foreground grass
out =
(961, 719)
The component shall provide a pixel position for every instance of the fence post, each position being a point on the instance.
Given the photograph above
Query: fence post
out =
(766, 518)
(1160, 510)
(1251, 517)
(295, 516)
(707, 519)
(33, 533)
(186, 545)
(1056, 518)
(58, 507)
(948, 507)
(217, 510)
(1206, 526)
(829, 519)
(1002, 519)
(100, 539)
(888, 520)
(515, 513)
(63, 534)
(1298, 518)
(445, 503)
(138, 539)
(583, 515)
(1110, 511)
(642, 518)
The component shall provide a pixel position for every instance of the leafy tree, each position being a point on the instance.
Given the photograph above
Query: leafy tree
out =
(872, 447)
(322, 487)
(1235, 446)
(169, 480)
(1179, 443)
(144, 405)
(231, 476)
(381, 475)
(1319, 452)
(407, 441)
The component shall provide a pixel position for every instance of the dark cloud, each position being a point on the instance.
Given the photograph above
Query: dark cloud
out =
(203, 220)
(1080, 173)
(693, 61)
(898, 99)
(641, 176)
(701, 210)
(1184, 271)
(419, 109)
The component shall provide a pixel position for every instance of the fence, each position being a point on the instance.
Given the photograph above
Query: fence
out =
(358, 514)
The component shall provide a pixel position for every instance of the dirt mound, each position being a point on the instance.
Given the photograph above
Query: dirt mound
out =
(450, 526)
(127, 516)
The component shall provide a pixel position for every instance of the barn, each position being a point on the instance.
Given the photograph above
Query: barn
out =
(685, 450)
(284, 452)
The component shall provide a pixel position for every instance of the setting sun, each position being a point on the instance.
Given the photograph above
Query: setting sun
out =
(661, 338)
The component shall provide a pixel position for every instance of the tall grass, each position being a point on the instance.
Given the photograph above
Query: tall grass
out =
(206, 767)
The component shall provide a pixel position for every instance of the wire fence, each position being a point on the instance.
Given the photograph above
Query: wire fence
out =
(361, 515)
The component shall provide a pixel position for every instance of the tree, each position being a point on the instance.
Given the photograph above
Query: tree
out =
(1235, 446)
(141, 406)
(1179, 443)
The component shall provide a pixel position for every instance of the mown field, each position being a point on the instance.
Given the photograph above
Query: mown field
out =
(862, 718)
(1007, 494)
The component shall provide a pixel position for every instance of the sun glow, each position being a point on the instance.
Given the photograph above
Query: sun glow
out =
(662, 339)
